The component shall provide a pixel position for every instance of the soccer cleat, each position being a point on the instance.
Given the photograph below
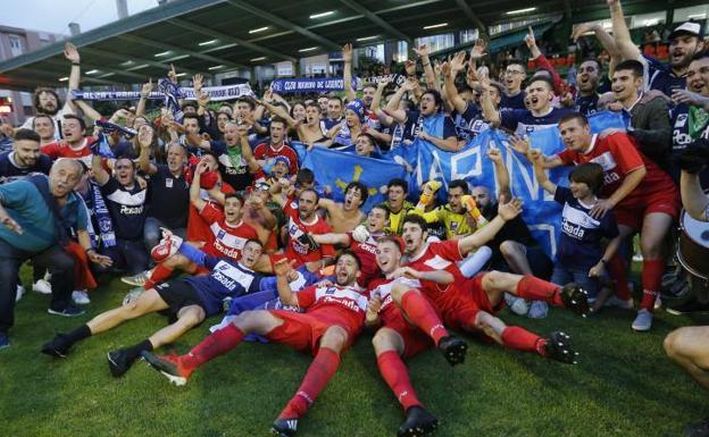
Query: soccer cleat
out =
(70, 310)
(137, 280)
(118, 362)
(58, 347)
(558, 347)
(419, 422)
(284, 427)
(575, 298)
(453, 349)
(700, 429)
(643, 321)
(168, 365)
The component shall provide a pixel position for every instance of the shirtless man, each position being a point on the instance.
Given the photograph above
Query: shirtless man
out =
(344, 217)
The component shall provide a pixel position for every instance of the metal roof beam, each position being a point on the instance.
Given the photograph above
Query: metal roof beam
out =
(463, 5)
(51, 78)
(228, 38)
(123, 58)
(374, 18)
(240, 4)
(89, 66)
(164, 46)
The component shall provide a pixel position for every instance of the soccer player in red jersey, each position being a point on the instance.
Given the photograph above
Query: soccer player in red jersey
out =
(333, 317)
(642, 196)
(469, 304)
(409, 325)
(74, 144)
(303, 220)
(362, 241)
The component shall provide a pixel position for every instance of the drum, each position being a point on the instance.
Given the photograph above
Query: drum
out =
(693, 255)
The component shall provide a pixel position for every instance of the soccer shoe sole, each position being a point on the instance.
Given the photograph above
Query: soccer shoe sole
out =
(420, 430)
(575, 299)
(559, 348)
(160, 366)
(130, 280)
(455, 352)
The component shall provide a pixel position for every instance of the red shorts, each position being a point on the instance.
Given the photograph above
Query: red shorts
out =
(415, 340)
(302, 331)
(467, 299)
(633, 212)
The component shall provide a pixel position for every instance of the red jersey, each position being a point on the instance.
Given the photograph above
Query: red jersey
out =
(381, 287)
(61, 149)
(618, 155)
(197, 227)
(227, 240)
(265, 151)
(440, 255)
(298, 250)
(335, 305)
(367, 254)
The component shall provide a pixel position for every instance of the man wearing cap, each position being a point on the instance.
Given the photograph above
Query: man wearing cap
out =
(685, 42)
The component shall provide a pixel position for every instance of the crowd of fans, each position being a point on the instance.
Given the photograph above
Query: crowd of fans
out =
(210, 210)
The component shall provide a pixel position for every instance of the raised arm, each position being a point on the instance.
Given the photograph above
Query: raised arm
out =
(392, 108)
(145, 140)
(347, 72)
(456, 65)
(624, 43)
(505, 212)
(195, 198)
(281, 269)
(422, 52)
(521, 146)
(101, 176)
(603, 37)
(537, 162)
(71, 53)
(144, 94)
(490, 114)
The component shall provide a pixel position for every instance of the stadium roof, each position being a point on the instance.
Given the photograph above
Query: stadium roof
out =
(213, 36)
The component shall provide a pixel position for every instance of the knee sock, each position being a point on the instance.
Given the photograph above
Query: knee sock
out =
(396, 375)
(475, 262)
(618, 272)
(518, 338)
(319, 373)
(160, 274)
(421, 313)
(77, 335)
(134, 351)
(218, 343)
(533, 288)
(652, 281)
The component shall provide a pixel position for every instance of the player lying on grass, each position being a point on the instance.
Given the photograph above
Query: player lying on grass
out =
(188, 300)
(470, 304)
(333, 317)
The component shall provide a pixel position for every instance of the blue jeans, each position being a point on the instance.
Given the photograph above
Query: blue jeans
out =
(152, 233)
(59, 263)
(563, 275)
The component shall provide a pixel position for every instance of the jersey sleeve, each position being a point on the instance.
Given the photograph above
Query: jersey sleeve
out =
(567, 156)
(562, 194)
(211, 213)
(51, 150)
(110, 187)
(509, 118)
(625, 153)
(306, 297)
(448, 128)
(449, 250)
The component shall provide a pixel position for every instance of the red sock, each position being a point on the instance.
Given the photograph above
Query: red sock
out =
(653, 270)
(322, 368)
(160, 273)
(419, 310)
(396, 375)
(518, 338)
(533, 288)
(218, 343)
(618, 272)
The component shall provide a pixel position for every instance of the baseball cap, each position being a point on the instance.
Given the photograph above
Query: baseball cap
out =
(689, 27)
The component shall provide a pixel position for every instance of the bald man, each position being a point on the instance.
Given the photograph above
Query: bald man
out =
(35, 216)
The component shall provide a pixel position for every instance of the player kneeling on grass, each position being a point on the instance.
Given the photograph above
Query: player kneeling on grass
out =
(409, 325)
(189, 301)
(469, 304)
(333, 317)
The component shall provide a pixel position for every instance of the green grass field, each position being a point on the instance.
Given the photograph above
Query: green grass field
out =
(623, 385)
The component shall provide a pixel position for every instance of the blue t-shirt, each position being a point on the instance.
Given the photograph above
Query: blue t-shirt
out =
(9, 171)
(513, 102)
(659, 76)
(227, 278)
(127, 208)
(587, 105)
(470, 123)
(522, 122)
(581, 234)
(444, 124)
(25, 204)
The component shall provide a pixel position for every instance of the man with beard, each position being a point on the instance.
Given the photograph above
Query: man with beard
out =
(125, 200)
(685, 41)
(31, 229)
(46, 100)
(457, 216)
(396, 204)
(25, 157)
(362, 241)
(44, 125)
(587, 77)
(646, 113)
(344, 217)
(74, 145)
(409, 325)
(690, 116)
(188, 301)
(540, 115)
(168, 190)
(333, 318)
